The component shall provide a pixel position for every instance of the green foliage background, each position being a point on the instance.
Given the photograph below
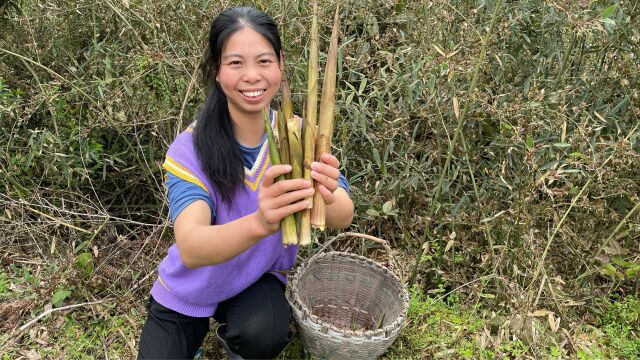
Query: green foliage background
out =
(538, 208)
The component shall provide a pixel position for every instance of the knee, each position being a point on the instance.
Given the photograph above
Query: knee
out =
(261, 337)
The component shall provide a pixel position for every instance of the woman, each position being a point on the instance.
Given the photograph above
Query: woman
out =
(228, 260)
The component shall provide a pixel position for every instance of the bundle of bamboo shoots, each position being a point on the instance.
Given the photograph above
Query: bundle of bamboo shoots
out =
(300, 145)
(288, 224)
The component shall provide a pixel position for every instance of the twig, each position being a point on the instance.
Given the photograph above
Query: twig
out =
(137, 285)
(58, 221)
(456, 135)
(126, 340)
(553, 235)
(188, 93)
(477, 194)
(35, 63)
(604, 244)
(164, 228)
(135, 32)
(573, 202)
(615, 231)
(62, 78)
(106, 216)
(485, 277)
(48, 312)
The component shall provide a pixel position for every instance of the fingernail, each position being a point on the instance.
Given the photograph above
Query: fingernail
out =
(288, 167)
(314, 165)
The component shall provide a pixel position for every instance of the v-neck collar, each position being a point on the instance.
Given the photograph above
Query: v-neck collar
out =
(253, 176)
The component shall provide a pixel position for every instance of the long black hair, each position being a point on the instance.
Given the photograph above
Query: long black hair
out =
(214, 141)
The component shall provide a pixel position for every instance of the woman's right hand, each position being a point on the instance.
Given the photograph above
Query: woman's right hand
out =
(278, 199)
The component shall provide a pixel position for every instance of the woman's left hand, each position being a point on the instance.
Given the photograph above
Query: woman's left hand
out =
(326, 173)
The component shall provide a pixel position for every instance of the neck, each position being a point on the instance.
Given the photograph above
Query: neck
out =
(247, 128)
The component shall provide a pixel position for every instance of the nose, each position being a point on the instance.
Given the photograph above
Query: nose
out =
(252, 74)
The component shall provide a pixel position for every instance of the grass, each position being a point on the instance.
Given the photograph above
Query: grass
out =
(439, 325)
(536, 210)
(621, 326)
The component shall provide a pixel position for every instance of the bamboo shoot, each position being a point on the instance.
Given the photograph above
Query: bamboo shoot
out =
(325, 122)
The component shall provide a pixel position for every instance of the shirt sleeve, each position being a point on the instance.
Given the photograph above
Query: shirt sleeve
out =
(182, 193)
(343, 183)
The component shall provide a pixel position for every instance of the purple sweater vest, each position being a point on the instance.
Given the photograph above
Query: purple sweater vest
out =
(197, 292)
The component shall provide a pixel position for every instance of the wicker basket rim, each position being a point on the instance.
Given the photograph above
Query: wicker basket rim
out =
(300, 306)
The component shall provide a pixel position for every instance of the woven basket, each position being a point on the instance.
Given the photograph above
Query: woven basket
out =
(347, 306)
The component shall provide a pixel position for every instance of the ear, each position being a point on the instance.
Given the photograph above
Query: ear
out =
(212, 73)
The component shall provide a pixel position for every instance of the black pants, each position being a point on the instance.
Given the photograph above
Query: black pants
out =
(257, 325)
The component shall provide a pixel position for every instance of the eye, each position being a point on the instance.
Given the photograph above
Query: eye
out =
(234, 62)
(265, 61)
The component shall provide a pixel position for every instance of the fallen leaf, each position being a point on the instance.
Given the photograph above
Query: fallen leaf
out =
(449, 245)
(426, 247)
(540, 313)
(574, 303)
(31, 354)
(456, 107)
(554, 323)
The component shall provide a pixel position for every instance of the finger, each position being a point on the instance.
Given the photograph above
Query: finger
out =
(327, 194)
(325, 169)
(329, 183)
(285, 186)
(330, 160)
(284, 211)
(292, 197)
(273, 172)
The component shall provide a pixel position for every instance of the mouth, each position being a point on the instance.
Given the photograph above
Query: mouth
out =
(253, 94)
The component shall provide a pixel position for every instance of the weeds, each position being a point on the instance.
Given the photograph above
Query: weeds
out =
(621, 326)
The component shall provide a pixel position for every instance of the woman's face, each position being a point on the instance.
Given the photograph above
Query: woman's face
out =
(249, 72)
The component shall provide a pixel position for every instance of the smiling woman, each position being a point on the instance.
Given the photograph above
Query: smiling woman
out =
(250, 77)
(228, 261)
(229, 67)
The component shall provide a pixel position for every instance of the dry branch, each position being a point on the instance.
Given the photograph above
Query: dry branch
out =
(48, 312)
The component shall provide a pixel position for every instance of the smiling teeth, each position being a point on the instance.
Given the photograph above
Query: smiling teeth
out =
(252, 93)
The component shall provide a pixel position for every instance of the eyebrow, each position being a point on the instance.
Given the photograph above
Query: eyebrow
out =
(232, 55)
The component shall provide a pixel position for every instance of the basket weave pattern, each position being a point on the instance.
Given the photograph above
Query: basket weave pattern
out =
(347, 306)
